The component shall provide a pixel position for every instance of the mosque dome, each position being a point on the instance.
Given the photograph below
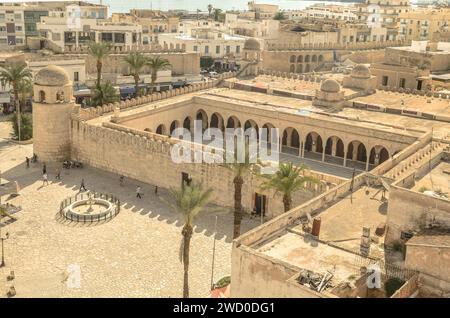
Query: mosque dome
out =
(330, 86)
(360, 71)
(52, 75)
(252, 45)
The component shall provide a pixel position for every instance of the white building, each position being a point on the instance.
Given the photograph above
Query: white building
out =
(65, 37)
(322, 11)
(206, 42)
(251, 28)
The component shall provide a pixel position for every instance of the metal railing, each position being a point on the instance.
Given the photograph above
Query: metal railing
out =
(86, 217)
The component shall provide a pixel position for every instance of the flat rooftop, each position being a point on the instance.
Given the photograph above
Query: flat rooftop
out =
(412, 102)
(438, 179)
(304, 253)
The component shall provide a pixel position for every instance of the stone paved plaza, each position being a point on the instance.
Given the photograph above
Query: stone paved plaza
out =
(136, 254)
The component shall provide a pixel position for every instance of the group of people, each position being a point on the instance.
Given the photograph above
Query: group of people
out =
(45, 175)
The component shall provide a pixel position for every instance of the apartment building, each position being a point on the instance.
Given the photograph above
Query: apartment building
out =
(206, 42)
(322, 11)
(424, 24)
(382, 13)
(12, 26)
(18, 21)
(153, 23)
(260, 29)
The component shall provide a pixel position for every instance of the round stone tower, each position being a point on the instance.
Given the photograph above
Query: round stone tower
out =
(53, 104)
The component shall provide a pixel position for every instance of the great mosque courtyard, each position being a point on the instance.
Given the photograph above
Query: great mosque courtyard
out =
(136, 254)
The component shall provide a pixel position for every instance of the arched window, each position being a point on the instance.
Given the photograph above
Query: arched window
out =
(41, 96)
(60, 96)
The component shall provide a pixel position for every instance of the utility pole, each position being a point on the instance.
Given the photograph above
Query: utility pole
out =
(214, 255)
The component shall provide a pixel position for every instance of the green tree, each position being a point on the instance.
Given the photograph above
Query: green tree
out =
(25, 90)
(13, 75)
(190, 200)
(104, 94)
(136, 62)
(156, 64)
(217, 13)
(279, 16)
(240, 169)
(287, 180)
(99, 51)
(26, 126)
(206, 61)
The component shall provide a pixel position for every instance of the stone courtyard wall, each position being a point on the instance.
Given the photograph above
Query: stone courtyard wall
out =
(145, 156)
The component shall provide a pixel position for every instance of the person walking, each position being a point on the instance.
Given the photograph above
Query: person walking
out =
(138, 192)
(156, 189)
(44, 169)
(44, 179)
(27, 161)
(82, 186)
(121, 180)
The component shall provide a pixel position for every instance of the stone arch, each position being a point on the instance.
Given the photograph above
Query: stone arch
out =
(268, 127)
(378, 155)
(174, 125)
(216, 121)
(292, 68)
(313, 142)
(292, 59)
(356, 151)
(300, 59)
(203, 116)
(161, 130)
(320, 58)
(251, 124)
(307, 58)
(187, 123)
(334, 147)
(299, 68)
(307, 68)
(233, 122)
(314, 58)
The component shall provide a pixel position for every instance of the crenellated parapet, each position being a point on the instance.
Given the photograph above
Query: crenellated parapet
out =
(93, 112)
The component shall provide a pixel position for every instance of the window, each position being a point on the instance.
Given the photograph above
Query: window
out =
(217, 49)
(19, 41)
(228, 49)
(17, 16)
(76, 76)
(18, 28)
(195, 48)
(206, 49)
(384, 81)
(238, 49)
(402, 83)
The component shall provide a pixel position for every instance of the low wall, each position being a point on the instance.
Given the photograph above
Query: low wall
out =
(409, 288)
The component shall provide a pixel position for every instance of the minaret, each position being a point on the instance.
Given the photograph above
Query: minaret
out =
(53, 104)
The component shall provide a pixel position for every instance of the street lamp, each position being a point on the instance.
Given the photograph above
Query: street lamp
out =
(2, 264)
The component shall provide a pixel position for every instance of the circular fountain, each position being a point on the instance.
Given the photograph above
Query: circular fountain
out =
(90, 207)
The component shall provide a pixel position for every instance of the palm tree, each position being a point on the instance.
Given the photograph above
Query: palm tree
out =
(287, 180)
(217, 13)
(210, 8)
(279, 16)
(25, 90)
(189, 201)
(104, 94)
(13, 74)
(156, 64)
(99, 50)
(136, 62)
(240, 169)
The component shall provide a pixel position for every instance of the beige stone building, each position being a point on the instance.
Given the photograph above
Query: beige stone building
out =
(424, 24)
(153, 23)
(410, 68)
(360, 143)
